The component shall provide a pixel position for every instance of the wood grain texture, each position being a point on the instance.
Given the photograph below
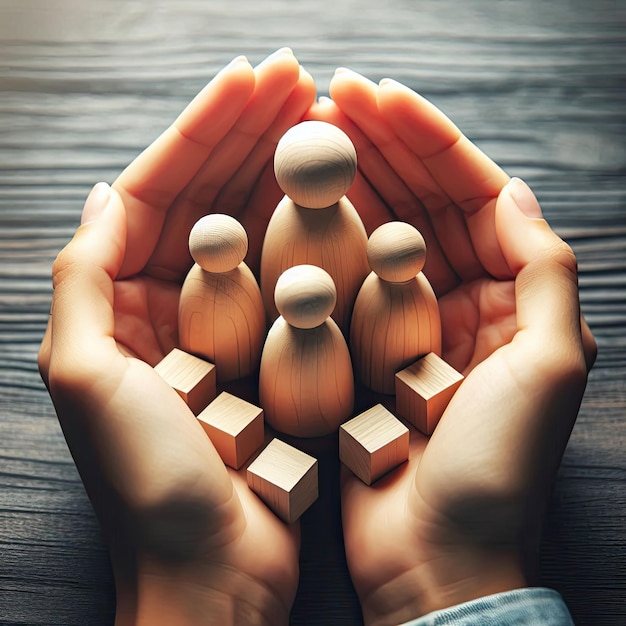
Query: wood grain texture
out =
(333, 238)
(235, 428)
(305, 296)
(306, 384)
(315, 164)
(539, 86)
(373, 443)
(218, 243)
(220, 312)
(285, 478)
(193, 378)
(392, 325)
(424, 389)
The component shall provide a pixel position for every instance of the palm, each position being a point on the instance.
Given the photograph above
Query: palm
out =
(387, 540)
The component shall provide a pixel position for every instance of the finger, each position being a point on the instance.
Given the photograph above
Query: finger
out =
(363, 101)
(546, 285)
(464, 173)
(393, 199)
(275, 80)
(234, 197)
(152, 181)
(82, 276)
(504, 431)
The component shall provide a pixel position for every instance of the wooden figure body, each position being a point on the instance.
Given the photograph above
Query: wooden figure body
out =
(396, 316)
(306, 384)
(220, 314)
(315, 223)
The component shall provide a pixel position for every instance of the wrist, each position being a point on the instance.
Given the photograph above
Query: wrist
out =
(211, 596)
(442, 582)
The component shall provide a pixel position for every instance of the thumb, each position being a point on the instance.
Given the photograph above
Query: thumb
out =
(545, 270)
(82, 322)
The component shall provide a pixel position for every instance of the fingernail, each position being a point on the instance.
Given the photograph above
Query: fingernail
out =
(343, 70)
(95, 203)
(323, 100)
(524, 198)
(237, 60)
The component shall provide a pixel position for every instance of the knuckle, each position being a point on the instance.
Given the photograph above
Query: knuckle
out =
(63, 266)
(562, 254)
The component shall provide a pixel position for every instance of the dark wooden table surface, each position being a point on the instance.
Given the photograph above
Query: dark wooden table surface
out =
(540, 86)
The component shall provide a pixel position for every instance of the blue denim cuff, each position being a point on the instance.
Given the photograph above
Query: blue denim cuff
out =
(521, 607)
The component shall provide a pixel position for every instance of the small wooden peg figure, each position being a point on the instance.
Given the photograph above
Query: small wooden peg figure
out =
(220, 314)
(396, 316)
(306, 384)
(315, 223)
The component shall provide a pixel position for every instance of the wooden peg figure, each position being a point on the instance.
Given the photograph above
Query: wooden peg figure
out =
(220, 314)
(396, 316)
(306, 384)
(315, 223)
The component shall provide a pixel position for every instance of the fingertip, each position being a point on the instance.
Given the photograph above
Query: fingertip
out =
(238, 66)
(524, 198)
(521, 230)
(281, 55)
(96, 203)
(391, 83)
(307, 83)
(345, 80)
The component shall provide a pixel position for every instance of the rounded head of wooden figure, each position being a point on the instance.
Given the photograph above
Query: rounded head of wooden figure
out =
(305, 296)
(396, 251)
(218, 243)
(315, 164)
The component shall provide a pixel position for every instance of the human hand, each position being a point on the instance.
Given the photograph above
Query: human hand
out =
(462, 518)
(189, 542)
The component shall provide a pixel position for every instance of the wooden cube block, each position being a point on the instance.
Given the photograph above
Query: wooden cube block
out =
(424, 389)
(193, 378)
(235, 427)
(373, 443)
(285, 478)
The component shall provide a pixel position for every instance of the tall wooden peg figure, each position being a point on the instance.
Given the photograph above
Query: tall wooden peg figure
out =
(396, 316)
(306, 384)
(315, 223)
(220, 314)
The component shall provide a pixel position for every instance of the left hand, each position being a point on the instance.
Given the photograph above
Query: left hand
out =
(461, 519)
(189, 542)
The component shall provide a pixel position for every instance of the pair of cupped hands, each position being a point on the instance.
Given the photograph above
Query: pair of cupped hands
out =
(189, 542)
